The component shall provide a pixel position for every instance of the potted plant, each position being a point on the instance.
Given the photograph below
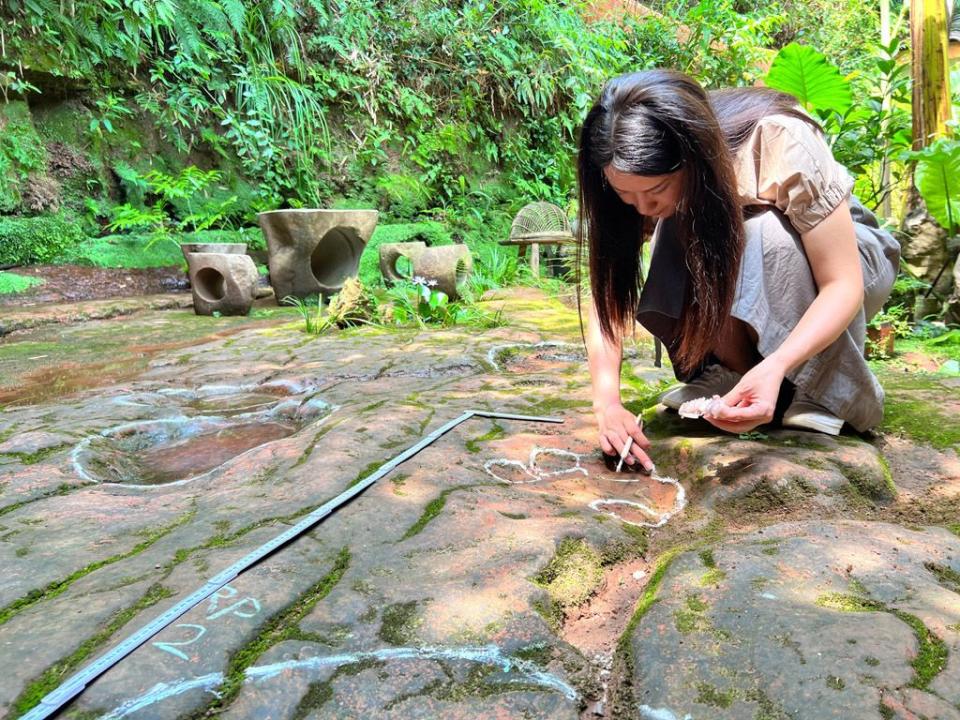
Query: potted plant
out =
(882, 331)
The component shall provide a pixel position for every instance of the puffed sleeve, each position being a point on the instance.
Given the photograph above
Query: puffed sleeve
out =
(786, 163)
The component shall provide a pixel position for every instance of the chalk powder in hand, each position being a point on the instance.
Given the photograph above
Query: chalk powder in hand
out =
(699, 407)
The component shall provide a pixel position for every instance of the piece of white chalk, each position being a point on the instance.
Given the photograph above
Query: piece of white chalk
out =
(626, 448)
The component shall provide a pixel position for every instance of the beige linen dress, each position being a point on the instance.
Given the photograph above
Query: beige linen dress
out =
(788, 182)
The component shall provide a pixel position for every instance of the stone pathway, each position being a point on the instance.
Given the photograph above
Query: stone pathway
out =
(502, 572)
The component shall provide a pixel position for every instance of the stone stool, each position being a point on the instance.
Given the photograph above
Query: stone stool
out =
(311, 251)
(222, 282)
(390, 253)
(448, 265)
(222, 248)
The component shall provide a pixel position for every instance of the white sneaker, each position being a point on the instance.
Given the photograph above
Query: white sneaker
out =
(804, 414)
(714, 380)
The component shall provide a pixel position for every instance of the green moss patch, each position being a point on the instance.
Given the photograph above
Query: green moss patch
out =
(573, 573)
(432, 510)
(932, 653)
(55, 674)
(867, 484)
(495, 433)
(59, 587)
(282, 625)
(946, 576)
(707, 694)
(647, 599)
(911, 408)
(768, 495)
(399, 623)
(35, 457)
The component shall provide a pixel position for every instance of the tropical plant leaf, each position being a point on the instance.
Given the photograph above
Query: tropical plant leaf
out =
(937, 177)
(807, 75)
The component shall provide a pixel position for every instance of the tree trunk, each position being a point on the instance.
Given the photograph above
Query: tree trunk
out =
(925, 245)
(885, 204)
(931, 79)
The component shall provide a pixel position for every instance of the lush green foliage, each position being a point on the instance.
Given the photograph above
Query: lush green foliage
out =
(199, 67)
(462, 108)
(406, 304)
(844, 32)
(188, 188)
(808, 76)
(26, 241)
(12, 283)
(417, 302)
(136, 251)
(21, 154)
(866, 136)
(938, 179)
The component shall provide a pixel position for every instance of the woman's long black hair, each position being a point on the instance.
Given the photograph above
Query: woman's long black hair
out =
(654, 123)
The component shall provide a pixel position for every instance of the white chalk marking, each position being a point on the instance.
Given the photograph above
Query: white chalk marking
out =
(486, 655)
(649, 713)
(679, 503)
(532, 469)
(171, 647)
(211, 422)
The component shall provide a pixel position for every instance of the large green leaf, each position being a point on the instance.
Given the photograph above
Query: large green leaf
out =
(937, 177)
(805, 73)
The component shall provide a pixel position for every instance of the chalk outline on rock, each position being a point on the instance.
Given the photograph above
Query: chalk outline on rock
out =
(531, 469)
(205, 391)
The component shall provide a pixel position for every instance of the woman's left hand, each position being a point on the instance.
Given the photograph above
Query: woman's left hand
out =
(752, 401)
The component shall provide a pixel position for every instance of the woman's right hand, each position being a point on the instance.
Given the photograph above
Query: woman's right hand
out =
(616, 425)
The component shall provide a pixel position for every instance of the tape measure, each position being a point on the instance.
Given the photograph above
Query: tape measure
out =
(56, 699)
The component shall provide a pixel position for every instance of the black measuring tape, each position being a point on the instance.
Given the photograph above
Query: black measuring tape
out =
(67, 691)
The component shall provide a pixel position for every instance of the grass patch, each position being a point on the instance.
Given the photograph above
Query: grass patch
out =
(11, 283)
(132, 251)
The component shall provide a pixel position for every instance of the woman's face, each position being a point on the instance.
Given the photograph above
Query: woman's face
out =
(655, 196)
